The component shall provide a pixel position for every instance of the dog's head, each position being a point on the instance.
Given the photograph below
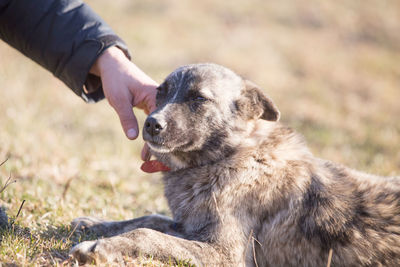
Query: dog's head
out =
(199, 109)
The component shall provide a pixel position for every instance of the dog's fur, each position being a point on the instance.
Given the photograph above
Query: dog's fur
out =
(244, 190)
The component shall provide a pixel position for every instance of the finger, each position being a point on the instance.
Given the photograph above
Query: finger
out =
(144, 107)
(154, 166)
(147, 106)
(146, 155)
(152, 107)
(146, 100)
(152, 102)
(128, 120)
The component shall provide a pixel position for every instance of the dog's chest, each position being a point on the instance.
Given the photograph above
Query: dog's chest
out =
(191, 196)
(216, 195)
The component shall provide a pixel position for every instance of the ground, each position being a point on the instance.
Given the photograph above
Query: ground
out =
(332, 68)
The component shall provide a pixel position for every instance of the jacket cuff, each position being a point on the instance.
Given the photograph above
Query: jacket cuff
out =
(85, 84)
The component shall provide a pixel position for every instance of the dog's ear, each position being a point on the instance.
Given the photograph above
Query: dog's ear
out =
(254, 104)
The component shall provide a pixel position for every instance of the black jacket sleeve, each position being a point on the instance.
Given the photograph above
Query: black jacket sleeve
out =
(64, 36)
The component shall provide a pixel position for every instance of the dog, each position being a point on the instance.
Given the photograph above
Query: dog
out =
(244, 190)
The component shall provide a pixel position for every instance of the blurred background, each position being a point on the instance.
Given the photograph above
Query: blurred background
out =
(332, 67)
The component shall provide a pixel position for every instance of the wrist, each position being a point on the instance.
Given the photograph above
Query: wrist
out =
(110, 56)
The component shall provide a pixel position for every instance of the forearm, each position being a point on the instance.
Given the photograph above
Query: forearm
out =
(65, 37)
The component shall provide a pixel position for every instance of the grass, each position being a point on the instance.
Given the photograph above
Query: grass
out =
(331, 67)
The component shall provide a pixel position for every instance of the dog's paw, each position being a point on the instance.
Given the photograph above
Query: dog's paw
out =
(94, 252)
(92, 224)
(84, 252)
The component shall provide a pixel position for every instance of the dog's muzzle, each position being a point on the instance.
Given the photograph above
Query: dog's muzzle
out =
(153, 127)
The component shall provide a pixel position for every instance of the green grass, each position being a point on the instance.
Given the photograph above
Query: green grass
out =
(331, 67)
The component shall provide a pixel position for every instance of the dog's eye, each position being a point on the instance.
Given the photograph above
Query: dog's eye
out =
(196, 101)
(199, 98)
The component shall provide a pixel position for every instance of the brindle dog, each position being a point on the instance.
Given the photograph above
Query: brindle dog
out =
(244, 190)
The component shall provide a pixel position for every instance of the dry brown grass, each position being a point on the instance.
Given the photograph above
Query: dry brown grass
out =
(331, 66)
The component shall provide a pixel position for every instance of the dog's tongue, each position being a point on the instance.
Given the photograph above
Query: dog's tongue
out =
(154, 166)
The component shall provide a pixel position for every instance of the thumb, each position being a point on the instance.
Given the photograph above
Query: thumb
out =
(128, 120)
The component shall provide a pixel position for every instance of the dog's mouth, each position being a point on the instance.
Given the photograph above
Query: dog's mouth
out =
(169, 143)
(159, 147)
(164, 148)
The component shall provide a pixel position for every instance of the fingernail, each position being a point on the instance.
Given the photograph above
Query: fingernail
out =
(131, 133)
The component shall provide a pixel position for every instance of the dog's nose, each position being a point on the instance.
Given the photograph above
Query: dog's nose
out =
(152, 126)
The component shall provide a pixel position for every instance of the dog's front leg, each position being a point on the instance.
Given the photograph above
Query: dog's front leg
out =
(147, 242)
(111, 228)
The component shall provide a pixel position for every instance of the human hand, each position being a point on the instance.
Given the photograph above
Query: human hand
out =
(126, 86)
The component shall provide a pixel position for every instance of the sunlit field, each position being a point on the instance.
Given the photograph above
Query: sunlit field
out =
(332, 68)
